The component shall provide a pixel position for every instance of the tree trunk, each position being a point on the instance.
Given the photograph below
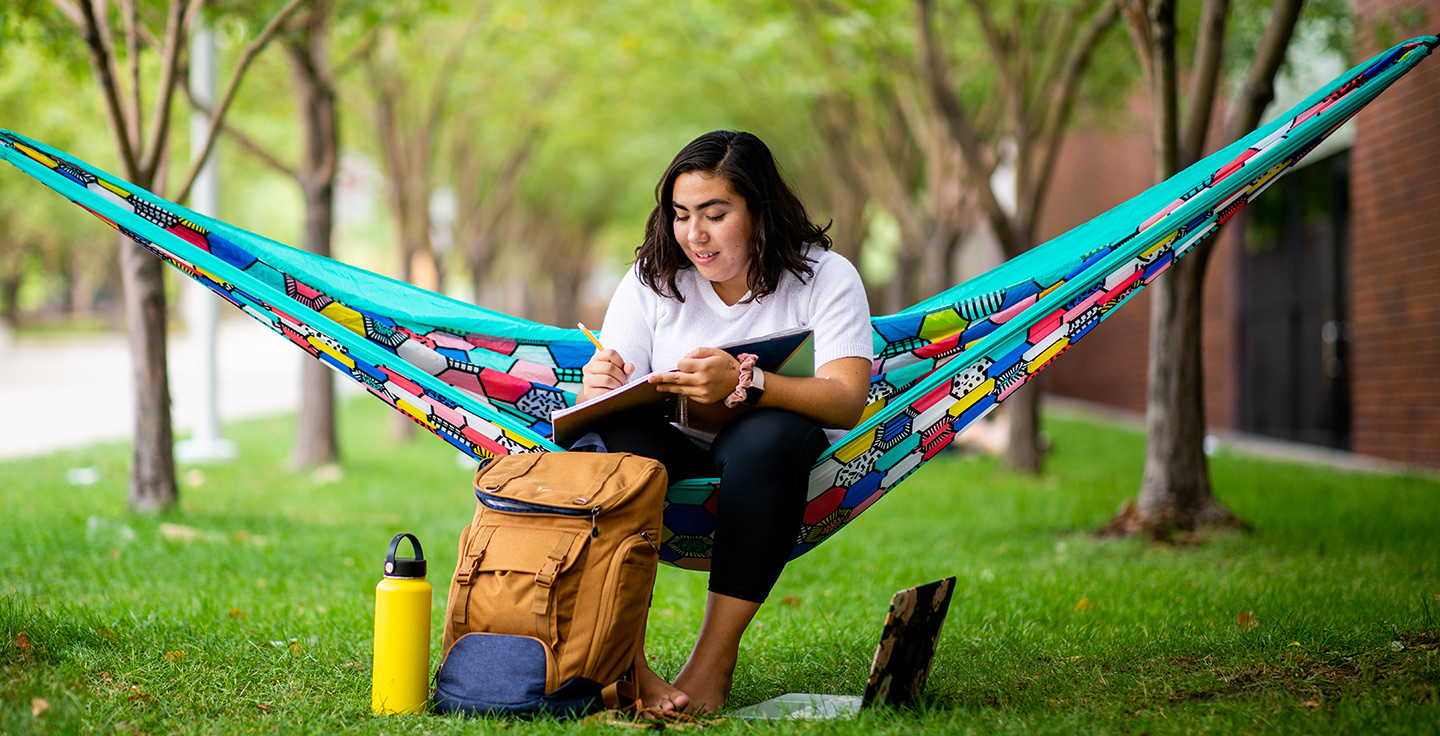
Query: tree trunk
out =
(566, 298)
(152, 464)
(1175, 492)
(64, 267)
(1022, 449)
(315, 440)
(10, 297)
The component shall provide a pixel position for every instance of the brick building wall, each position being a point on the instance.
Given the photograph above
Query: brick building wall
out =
(1395, 253)
(1394, 262)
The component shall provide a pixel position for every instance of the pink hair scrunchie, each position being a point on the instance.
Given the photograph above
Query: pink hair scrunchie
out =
(747, 376)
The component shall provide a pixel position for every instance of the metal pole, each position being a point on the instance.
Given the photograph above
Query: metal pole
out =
(202, 308)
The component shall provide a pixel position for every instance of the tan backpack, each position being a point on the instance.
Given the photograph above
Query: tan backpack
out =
(547, 608)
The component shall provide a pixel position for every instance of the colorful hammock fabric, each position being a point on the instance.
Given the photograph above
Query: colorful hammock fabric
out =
(486, 382)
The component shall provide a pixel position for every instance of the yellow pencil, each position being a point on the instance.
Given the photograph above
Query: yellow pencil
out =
(590, 335)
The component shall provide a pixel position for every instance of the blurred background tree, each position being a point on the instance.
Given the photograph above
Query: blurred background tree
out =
(506, 151)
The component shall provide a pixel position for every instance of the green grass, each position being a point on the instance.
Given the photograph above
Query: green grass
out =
(262, 622)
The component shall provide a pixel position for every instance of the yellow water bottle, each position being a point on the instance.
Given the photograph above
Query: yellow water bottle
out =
(401, 672)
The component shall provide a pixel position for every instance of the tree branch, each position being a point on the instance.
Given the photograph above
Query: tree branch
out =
(995, 39)
(1053, 67)
(1259, 88)
(1063, 100)
(447, 68)
(70, 10)
(102, 63)
(362, 49)
(963, 132)
(1205, 80)
(248, 144)
(192, 11)
(241, 65)
(174, 43)
(1137, 25)
(128, 13)
(1163, 89)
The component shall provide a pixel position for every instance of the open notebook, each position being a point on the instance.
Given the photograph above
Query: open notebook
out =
(899, 670)
(787, 353)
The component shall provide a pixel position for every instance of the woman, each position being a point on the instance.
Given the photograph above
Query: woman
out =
(730, 254)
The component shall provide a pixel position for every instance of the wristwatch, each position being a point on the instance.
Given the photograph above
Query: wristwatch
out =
(757, 387)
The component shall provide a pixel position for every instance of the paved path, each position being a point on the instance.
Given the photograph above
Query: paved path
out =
(58, 393)
(1250, 444)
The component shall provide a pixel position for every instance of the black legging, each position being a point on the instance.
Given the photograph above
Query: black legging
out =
(763, 458)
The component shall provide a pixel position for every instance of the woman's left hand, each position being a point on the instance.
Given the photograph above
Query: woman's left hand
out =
(705, 375)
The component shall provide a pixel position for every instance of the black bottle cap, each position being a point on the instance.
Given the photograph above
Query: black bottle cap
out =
(405, 567)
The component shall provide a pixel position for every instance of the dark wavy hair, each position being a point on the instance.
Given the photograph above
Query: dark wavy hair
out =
(782, 227)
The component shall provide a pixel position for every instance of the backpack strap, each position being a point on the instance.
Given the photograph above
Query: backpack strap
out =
(498, 474)
(465, 574)
(601, 475)
(540, 605)
(621, 695)
(599, 466)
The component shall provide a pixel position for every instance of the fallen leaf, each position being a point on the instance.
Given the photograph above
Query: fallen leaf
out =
(175, 656)
(266, 707)
(791, 601)
(106, 633)
(295, 647)
(1294, 644)
(237, 613)
(1084, 605)
(22, 642)
(38, 706)
(137, 694)
(182, 533)
(1247, 620)
(327, 474)
(1311, 704)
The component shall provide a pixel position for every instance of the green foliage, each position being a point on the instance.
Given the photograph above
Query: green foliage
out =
(249, 607)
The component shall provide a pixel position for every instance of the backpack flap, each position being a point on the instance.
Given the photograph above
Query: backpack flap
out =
(572, 479)
(519, 564)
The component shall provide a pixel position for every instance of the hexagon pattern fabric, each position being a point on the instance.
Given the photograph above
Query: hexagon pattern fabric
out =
(486, 382)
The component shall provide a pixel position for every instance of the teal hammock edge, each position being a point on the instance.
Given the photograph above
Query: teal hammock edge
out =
(167, 229)
(1024, 331)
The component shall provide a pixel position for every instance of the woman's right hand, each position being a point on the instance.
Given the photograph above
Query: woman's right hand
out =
(606, 371)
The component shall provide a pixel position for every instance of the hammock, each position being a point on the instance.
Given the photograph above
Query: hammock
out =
(486, 382)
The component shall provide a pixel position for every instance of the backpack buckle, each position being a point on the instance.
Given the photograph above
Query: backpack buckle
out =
(546, 576)
(467, 574)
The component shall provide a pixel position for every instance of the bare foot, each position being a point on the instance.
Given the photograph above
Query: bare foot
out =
(655, 692)
(707, 683)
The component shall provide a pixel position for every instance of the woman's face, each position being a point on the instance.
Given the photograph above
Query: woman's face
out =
(712, 225)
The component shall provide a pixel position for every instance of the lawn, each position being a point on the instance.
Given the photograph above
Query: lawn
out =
(249, 608)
